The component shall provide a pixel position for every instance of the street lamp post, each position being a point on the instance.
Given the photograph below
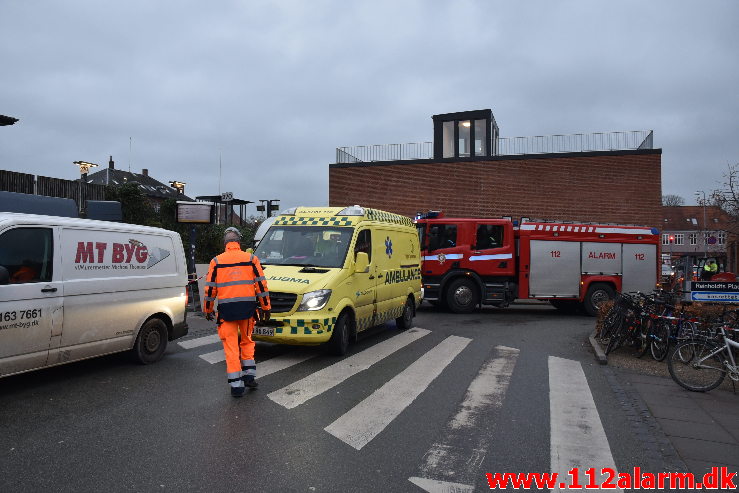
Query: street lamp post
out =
(179, 186)
(705, 228)
(84, 168)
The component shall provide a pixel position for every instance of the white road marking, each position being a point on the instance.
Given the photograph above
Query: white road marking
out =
(299, 392)
(214, 357)
(200, 341)
(434, 486)
(453, 463)
(368, 418)
(278, 363)
(271, 365)
(577, 437)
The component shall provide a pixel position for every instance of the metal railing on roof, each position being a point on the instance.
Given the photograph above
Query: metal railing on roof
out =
(385, 152)
(554, 144)
(506, 146)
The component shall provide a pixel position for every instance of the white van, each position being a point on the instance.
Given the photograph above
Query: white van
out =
(72, 289)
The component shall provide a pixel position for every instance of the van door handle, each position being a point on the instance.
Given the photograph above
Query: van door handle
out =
(371, 277)
(48, 290)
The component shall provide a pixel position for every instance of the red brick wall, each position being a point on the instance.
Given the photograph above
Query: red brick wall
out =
(617, 187)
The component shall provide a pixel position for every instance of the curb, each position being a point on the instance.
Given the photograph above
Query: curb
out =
(600, 356)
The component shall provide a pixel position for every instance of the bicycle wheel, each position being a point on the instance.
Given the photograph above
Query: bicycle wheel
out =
(611, 323)
(697, 365)
(660, 343)
(687, 330)
(616, 339)
(644, 336)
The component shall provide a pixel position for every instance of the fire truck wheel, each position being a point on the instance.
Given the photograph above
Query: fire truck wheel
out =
(597, 294)
(462, 295)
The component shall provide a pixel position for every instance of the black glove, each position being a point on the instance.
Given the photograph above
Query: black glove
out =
(262, 315)
(209, 316)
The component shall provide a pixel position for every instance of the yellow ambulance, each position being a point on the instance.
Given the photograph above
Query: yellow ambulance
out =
(333, 272)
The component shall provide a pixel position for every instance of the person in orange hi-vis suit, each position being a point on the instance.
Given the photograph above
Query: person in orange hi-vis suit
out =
(236, 279)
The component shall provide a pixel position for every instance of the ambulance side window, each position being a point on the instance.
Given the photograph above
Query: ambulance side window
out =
(28, 254)
(364, 244)
(442, 236)
(489, 236)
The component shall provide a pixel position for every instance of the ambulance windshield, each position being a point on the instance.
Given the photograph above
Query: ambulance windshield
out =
(318, 246)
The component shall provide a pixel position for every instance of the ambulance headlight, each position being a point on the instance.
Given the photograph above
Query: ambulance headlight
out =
(315, 300)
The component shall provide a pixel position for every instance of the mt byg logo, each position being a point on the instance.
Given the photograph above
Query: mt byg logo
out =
(133, 253)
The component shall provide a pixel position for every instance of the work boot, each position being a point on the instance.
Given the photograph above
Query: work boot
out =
(250, 382)
(237, 391)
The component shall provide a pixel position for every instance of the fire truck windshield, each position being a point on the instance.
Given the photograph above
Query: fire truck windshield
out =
(442, 236)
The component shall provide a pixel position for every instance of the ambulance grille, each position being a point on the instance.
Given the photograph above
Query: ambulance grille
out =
(282, 302)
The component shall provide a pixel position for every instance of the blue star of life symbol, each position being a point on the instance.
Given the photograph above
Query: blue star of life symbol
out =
(389, 247)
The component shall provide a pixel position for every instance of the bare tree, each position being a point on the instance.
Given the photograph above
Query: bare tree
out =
(727, 197)
(672, 200)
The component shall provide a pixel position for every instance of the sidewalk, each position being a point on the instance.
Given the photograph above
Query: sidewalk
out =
(702, 427)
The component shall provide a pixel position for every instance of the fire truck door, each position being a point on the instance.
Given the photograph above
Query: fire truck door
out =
(555, 269)
(640, 268)
(443, 249)
(492, 253)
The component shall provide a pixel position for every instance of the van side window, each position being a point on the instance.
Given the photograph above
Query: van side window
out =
(28, 254)
(442, 236)
(489, 236)
(364, 244)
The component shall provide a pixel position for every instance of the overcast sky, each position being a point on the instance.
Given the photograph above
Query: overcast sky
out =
(272, 88)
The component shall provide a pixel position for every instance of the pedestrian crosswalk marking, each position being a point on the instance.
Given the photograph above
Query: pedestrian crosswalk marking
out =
(453, 462)
(368, 418)
(278, 363)
(214, 357)
(301, 391)
(200, 341)
(577, 437)
(264, 368)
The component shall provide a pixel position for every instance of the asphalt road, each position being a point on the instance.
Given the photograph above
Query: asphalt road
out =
(463, 395)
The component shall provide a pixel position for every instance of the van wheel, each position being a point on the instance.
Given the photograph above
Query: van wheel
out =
(339, 342)
(405, 321)
(462, 295)
(151, 342)
(597, 293)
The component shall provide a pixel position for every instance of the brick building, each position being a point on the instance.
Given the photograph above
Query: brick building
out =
(695, 231)
(469, 171)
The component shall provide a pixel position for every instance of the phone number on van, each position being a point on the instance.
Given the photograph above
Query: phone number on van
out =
(20, 315)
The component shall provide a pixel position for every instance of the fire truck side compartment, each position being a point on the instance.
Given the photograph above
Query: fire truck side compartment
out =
(639, 271)
(555, 269)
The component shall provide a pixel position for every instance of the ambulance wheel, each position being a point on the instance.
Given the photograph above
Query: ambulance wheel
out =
(462, 295)
(405, 321)
(151, 342)
(597, 293)
(339, 342)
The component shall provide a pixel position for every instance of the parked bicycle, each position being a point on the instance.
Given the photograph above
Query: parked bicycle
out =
(702, 363)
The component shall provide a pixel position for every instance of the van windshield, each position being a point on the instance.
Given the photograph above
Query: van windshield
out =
(319, 246)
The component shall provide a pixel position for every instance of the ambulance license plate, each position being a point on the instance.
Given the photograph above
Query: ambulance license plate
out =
(264, 331)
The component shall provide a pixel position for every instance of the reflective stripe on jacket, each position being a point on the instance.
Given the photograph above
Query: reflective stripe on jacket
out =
(236, 279)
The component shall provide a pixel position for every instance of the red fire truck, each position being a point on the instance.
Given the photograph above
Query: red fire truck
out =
(470, 262)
